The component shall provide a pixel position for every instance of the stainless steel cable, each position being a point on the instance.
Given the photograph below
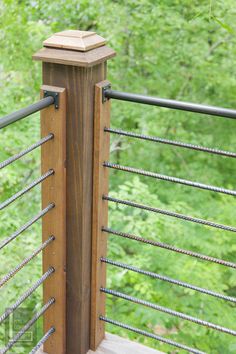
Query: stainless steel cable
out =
(26, 294)
(169, 178)
(171, 142)
(25, 261)
(26, 189)
(43, 340)
(151, 335)
(26, 226)
(29, 324)
(170, 248)
(169, 280)
(170, 213)
(169, 311)
(26, 151)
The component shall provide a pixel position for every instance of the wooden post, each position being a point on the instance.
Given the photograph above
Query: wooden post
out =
(76, 60)
(53, 156)
(100, 212)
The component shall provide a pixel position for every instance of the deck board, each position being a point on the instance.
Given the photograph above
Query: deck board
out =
(113, 344)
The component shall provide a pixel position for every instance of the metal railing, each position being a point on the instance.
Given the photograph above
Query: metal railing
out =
(50, 272)
(173, 104)
(27, 111)
(108, 93)
(4, 122)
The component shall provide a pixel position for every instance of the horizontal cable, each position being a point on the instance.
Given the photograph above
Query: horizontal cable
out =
(26, 294)
(167, 279)
(26, 151)
(26, 189)
(170, 248)
(43, 340)
(172, 104)
(27, 326)
(151, 335)
(170, 213)
(25, 261)
(171, 142)
(26, 226)
(169, 311)
(169, 178)
(25, 112)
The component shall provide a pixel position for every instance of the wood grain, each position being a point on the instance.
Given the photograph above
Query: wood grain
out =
(75, 58)
(100, 213)
(113, 344)
(76, 40)
(79, 83)
(78, 72)
(53, 156)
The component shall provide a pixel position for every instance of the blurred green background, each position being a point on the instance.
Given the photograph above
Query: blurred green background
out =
(173, 49)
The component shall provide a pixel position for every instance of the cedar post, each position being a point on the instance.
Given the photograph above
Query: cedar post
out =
(100, 212)
(53, 156)
(76, 61)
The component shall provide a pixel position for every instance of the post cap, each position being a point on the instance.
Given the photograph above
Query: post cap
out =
(76, 40)
(78, 48)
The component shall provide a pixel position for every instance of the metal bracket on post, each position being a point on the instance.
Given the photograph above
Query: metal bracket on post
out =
(104, 89)
(55, 95)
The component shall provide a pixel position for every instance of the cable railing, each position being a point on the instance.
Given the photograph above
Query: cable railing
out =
(26, 189)
(169, 178)
(43, 340)
(108, 93)
(169, 247)
(75, 194)
(29, 292)
(50, 272)
(170, 213)
(171, 142)
(22, 264)
(26, 226)
(27, 326)
(25, 152)
(151, 335)
(167, 279)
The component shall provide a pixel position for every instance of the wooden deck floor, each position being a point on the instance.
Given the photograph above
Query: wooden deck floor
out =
(116, 345)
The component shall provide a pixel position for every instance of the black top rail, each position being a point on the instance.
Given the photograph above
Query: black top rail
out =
(173, 104)
(25, 112)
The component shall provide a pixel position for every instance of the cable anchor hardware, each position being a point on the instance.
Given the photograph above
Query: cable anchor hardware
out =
(53, 94)
(104, 90)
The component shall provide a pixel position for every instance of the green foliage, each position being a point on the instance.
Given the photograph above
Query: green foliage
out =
(174, 49)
